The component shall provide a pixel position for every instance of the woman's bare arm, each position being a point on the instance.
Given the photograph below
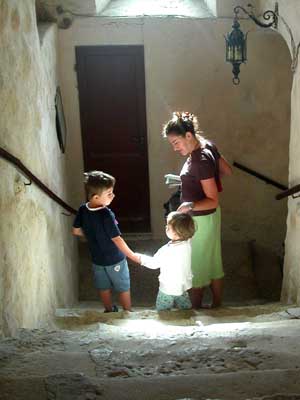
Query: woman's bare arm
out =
(210, 202)
(224, 167)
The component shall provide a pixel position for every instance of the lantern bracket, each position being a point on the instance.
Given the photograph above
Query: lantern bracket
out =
(267, 15)
(236, 40)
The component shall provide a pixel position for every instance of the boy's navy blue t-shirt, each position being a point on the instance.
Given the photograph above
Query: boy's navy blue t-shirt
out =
(99, 228)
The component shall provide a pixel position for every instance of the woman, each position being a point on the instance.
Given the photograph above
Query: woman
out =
(200, 184)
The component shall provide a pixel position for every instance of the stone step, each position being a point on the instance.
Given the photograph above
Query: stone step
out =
(256, 385)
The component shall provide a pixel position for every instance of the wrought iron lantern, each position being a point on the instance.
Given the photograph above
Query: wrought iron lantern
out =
(236, 40)
(236, 49)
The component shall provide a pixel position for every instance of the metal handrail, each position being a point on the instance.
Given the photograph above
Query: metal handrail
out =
(260, 176)
(17, 163)
(289, 192)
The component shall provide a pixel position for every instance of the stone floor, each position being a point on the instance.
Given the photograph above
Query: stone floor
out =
(248, 349)
(234, 353)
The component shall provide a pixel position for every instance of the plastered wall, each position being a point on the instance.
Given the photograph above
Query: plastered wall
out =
(38, 263)
(185, 69)
(288, 27)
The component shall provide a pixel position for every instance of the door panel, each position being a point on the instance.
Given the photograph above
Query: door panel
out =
(111, 86)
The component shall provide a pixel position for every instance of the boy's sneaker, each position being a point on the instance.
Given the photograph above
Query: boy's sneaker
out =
(114, 309)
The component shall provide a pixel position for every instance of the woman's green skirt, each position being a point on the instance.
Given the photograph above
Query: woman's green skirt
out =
(206, 249)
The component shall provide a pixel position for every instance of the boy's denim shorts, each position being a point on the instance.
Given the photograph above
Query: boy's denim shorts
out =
(114, 276)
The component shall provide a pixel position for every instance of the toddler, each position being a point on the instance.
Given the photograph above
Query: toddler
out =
(174, 261)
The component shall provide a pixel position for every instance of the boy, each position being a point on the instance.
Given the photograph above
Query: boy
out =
(174, 261)
(97, 223)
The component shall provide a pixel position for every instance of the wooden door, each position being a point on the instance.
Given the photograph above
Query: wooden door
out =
(111, 83)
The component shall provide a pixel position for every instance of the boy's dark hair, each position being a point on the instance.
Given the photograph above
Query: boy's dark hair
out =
(182, 223)
(97, 181)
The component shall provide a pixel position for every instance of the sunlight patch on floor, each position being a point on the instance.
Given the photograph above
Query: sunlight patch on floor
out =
(150, 323)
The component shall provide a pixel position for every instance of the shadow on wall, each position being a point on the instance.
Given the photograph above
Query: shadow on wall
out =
(268, 271)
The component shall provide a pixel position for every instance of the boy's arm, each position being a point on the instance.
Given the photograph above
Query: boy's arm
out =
(77, 232)
(123, 247)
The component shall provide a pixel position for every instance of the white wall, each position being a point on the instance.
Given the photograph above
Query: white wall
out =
(289, 13)
(212, 6)
(38, 257)
(185, 69)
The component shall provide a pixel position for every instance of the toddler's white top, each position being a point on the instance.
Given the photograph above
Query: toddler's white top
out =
(174, 261)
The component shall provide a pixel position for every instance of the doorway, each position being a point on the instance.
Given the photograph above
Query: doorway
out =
(111, 83)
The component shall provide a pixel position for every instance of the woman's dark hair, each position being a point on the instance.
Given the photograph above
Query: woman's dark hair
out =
(97, 181)
(180, 124)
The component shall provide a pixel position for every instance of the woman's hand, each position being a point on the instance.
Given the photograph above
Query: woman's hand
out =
(186, 207)
(210, 202)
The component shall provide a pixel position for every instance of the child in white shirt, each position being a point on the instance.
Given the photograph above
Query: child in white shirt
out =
(174, 261)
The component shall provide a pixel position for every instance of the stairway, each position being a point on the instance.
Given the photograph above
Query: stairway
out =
(233, 353)
(246, 350)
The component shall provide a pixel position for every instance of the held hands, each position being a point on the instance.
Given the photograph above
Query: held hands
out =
(186, 207)
(147, 261)
(142, 258)
(137, 258)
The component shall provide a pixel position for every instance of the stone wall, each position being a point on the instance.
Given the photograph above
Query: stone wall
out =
(185, 69)
(38, 264)
(289, 14)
